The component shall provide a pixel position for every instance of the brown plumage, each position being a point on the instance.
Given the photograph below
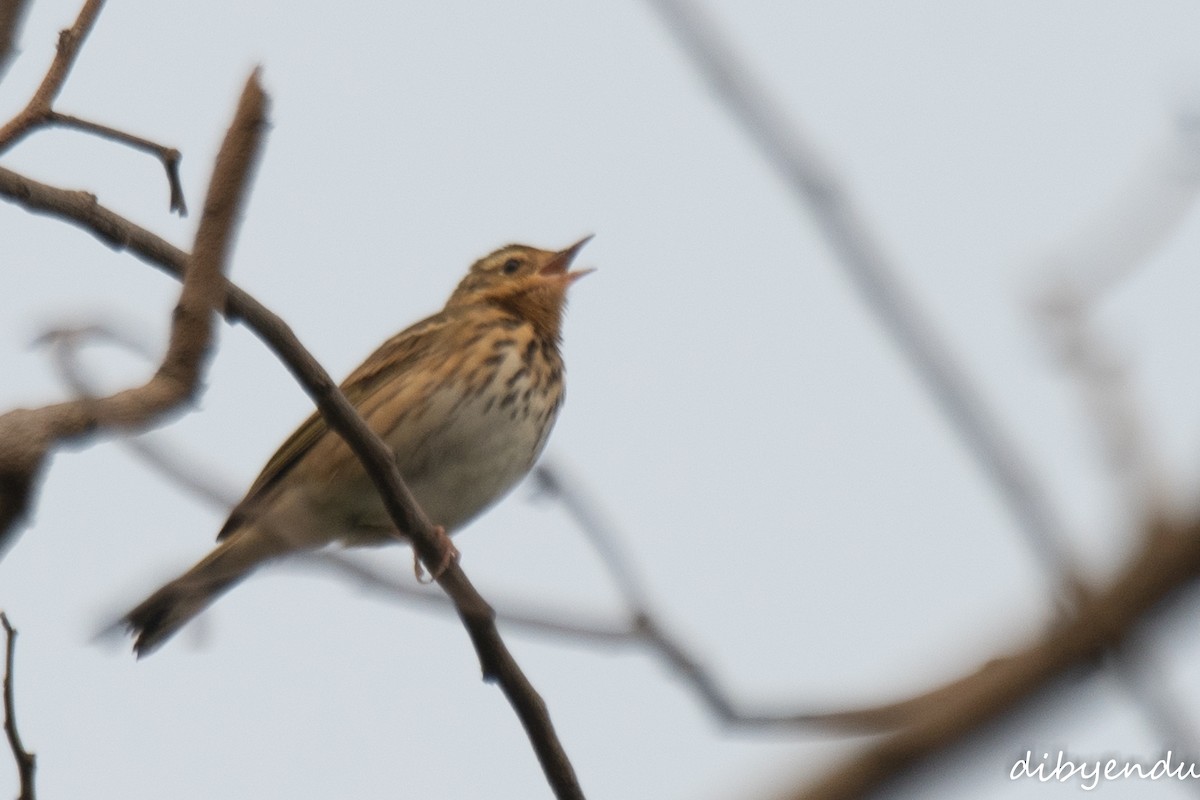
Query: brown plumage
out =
(465, 398)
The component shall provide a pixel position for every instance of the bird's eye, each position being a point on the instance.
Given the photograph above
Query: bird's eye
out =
(511, 266)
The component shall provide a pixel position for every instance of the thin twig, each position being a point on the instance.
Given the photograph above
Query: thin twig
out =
(169, 156)
(1078, 272)
(649, 631)
(878, 281)
(551, 479)
(1109, 398)
(39, 112)
(26, 761)
(69, 43)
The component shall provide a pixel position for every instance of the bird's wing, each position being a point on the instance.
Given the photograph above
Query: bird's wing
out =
(394, 356)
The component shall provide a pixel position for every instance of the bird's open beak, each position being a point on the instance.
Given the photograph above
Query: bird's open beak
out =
(561, 262)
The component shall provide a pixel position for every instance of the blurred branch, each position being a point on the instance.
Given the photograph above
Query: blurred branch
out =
(1080, 271)
(642, 631)
(1108, 395)
(1075, 277)
(641, 628)
(184, 471)
(552, 480)
(1167, 561)
(947, 714)
(39, 111)
(1148, 207)
(816, 186)
(12, 15)
(28, 436)
(646, 628)
(26, 761)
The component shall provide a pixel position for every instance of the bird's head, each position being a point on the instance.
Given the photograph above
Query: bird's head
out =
(529, 282)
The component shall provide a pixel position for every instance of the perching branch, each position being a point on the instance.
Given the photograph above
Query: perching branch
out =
(26, 761)
(477, 616)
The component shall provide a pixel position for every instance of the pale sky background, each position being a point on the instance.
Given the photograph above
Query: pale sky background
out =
(807, 520)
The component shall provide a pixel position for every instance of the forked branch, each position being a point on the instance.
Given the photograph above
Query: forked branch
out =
(39, 111)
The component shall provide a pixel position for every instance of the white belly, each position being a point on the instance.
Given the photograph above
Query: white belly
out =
(472, 462)
(481, 446)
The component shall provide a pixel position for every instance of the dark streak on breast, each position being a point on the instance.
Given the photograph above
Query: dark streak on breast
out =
(516, 376)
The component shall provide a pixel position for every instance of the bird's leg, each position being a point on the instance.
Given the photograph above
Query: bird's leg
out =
(449, 555)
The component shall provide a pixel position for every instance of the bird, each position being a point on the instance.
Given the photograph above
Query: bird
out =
(465, 399)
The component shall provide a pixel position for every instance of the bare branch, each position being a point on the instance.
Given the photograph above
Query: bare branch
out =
(1151, 203)
(641, 632)
(816, 185)
(1109, 399)
(69, 43)
(26, 761)
(1074, 277)
(28, 436)
(84, 211)
(648, 630)
(39, 112)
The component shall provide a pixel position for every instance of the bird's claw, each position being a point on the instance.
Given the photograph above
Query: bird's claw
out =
(449, 553)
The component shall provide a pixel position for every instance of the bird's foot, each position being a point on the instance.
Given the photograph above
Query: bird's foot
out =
(449, 556)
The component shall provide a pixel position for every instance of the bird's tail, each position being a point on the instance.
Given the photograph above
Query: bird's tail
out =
(163, 613)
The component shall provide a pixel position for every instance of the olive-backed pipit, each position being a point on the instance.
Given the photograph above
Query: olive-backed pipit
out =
(466, 400)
